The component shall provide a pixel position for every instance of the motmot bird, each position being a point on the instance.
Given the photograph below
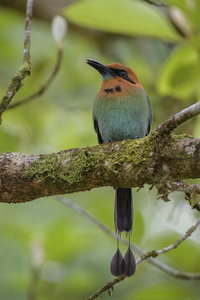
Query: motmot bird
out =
(122, 110)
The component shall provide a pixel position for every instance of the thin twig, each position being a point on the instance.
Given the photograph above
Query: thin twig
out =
(181, 117)
(80, 210)
(167, 269)
(182, 239)
(24, 70)
(184, 187)
(172, 246)
(45, 86)
(144, 256)
(27, 40)
(106, 287)
(191, 191)
(173, 272)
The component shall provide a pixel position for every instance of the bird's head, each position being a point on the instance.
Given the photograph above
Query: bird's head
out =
(116, 75)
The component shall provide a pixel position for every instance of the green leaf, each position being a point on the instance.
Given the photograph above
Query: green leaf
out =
(180, 74)
(122, 17)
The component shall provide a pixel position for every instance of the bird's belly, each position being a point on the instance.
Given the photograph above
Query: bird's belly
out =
(123, 124)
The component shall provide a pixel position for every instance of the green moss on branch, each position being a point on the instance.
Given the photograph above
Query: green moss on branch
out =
(150, 160)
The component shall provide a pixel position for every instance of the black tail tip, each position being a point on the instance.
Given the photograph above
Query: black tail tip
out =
(130, 263)
(123, 266)
(116, 264)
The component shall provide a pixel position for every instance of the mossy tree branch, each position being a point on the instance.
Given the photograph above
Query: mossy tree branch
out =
(149, 160)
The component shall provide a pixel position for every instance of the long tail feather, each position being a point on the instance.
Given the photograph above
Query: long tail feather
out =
(123, 210)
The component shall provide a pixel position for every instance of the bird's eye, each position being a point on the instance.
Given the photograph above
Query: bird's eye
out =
(122, 73)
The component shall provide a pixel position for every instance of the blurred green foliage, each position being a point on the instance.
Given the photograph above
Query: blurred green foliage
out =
(73, 254)
(124, 17)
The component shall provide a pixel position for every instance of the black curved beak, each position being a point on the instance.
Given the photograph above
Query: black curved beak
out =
(103, 70)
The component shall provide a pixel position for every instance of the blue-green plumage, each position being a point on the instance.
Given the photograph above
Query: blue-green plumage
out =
(123, 118)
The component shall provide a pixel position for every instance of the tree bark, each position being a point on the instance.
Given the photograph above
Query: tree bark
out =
(153, 160)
